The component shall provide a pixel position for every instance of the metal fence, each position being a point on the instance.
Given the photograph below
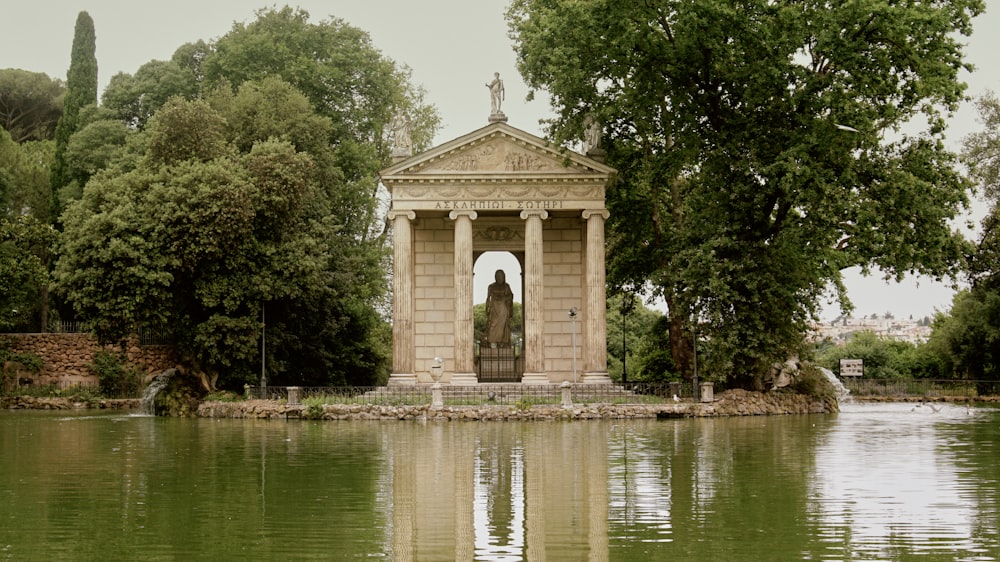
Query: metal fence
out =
(148, 334)
(930, 388)
(485, 394)
(65, 389)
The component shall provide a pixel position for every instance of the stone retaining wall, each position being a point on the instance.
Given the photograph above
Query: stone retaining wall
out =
(44, 403)
(65, 357)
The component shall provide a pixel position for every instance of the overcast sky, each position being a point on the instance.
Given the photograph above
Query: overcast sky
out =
(453, 47)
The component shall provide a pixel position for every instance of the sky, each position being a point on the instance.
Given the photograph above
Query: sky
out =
(453, 48)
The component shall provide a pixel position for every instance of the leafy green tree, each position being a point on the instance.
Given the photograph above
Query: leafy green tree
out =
(760, 151)
(81, 91)
(24, 237)
(24, 177)
(338, 69)
(99, 142)
(135, 98)
(966, 340)
(23, 244)
(643, 355)
(30, 104)
(219, 221)
(981, 150)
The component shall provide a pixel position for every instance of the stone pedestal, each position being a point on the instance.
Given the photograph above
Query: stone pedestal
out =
(437, 400)
(707, 392)
(567, 396)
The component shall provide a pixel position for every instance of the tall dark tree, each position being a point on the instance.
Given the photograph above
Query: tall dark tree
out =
(81, 91)
(760, 150)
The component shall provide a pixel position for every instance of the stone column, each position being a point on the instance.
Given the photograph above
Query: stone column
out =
(403, 346)
(464, 373)
(595, 333)
(534, 274)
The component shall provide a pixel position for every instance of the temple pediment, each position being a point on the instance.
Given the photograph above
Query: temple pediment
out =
(496, 152)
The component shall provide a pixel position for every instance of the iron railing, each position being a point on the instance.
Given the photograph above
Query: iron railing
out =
(930, 388)
(485, 394)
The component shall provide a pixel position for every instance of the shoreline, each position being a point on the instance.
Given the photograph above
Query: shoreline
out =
(726, 404)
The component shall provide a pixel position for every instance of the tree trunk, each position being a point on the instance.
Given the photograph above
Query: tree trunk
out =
(681, 344)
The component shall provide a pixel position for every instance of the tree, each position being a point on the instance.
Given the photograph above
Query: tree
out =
(30, 104)
(221, 220)
(760, 151)
(968, 338)
(81, 91)
(133, 99)
(648, 355)
(338, 69)
(23, 243)
(24, 177)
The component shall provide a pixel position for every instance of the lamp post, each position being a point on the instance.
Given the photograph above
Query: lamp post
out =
(572, 316)
(627, 303)
(263, 352)
(694, 349)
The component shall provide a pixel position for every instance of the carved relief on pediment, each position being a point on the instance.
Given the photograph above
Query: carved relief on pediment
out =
(497, 156)
(497, 192)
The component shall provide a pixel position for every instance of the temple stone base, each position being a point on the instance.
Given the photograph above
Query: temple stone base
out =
(596, 378)
(464, 379)
(535, 378)
(402, 379)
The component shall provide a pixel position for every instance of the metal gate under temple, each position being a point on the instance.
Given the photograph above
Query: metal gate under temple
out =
(499, 364)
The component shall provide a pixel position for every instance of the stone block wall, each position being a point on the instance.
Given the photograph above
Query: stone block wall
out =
(563, 290)
(434, 294)
(65, 357)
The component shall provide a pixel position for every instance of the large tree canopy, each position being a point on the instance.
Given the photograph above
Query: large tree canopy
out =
(235, 185)
(30, 104)
(761, 150)
(221, 219)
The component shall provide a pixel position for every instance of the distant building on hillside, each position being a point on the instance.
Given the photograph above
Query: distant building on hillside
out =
(841, 330)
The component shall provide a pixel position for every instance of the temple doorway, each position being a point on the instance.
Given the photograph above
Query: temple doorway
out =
(498, 317)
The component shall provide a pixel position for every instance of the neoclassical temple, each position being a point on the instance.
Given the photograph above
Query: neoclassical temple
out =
(498, 189)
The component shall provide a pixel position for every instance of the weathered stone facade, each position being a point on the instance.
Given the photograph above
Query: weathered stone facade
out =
(65, 357)
(498, 189)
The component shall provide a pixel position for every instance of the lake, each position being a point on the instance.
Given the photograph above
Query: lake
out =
(874, 482)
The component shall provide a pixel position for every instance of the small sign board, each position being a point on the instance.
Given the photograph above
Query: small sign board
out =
(852, 367)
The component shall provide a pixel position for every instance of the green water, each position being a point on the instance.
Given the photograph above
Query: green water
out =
(875, 482)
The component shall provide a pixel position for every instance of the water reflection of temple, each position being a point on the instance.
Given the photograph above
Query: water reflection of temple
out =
(507, 492)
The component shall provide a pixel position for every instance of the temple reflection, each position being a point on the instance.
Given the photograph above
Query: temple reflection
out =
(540, 490)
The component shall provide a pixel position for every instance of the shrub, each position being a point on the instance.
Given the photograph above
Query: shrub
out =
(115, 375)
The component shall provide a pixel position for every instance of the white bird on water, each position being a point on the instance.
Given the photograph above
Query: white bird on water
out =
(933, 408)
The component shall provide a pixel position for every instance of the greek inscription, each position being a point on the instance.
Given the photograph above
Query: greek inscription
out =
(495, 205)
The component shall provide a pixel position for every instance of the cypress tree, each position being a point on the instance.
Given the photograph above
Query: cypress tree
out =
(81, 91)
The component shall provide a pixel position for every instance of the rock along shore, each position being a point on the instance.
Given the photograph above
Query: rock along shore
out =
(729, 403)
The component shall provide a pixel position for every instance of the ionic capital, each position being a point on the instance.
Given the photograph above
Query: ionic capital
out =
(587, 213)
(540, 213)
(409, 214)
(455, 214)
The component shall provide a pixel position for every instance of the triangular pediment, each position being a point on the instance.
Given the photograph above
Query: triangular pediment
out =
(497, 150)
